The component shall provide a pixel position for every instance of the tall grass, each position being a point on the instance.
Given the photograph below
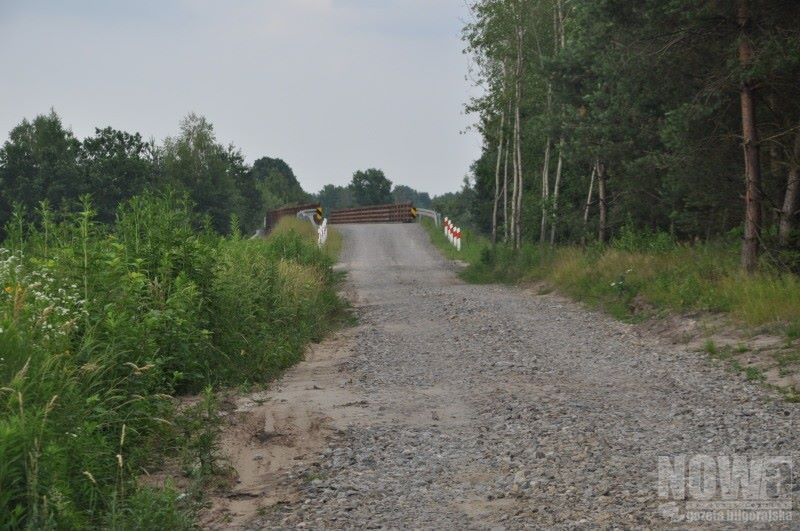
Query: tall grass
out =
(641, 273)
(100, 326)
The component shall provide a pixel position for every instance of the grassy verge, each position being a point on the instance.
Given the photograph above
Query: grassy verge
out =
(101, 326)
(641, 275)
(472, 246)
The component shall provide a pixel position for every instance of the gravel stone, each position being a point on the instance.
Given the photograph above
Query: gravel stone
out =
(494, 408)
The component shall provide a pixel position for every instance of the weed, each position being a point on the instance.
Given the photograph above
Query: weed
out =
(754, 374)
(787, 357)
(710, 347)
(100, 326)
(793, 331)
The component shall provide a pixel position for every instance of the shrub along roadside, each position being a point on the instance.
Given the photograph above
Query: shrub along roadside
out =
(99, 327)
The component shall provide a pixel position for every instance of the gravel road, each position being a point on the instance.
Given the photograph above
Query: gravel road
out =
(489, 407)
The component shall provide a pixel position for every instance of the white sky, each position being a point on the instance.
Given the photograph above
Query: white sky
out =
(330, 86)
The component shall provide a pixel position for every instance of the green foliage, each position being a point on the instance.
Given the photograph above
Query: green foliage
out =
(100, 324)
(149, 508)
(630, 239)
(711, 348)
(204, 169)
(651, 90)
(333, 197)
(198, 429)
(118, 166)
(277, 183)
(43, 161)
(37, 163)
(458, 205)
(371, 187)
(405, 194)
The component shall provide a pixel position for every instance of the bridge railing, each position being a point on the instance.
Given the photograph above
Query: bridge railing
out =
(398, 213)
(430, 214)
(273, 216)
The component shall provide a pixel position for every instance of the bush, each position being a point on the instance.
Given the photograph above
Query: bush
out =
(632, 240)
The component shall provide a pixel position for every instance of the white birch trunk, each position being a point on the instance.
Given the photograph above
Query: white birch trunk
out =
(589, 196)
(497, 178)
(556, 186)
(505, 197)
(517, 127)
(545, 189)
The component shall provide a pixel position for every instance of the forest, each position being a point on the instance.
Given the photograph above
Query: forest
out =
(43, 165)
(672, 118)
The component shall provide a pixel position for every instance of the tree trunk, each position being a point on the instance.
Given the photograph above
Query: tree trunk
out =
(790, 198)
(497, 178)
(505, 196)
(518, 157)
(589, 196)
(561, 44)
(514, 191)
(518, 141)
(752, 167)
(545, 190)
(588, 203)
(556, 186)
(601, 196)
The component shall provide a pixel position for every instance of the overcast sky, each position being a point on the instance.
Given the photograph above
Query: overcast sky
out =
(330, 86)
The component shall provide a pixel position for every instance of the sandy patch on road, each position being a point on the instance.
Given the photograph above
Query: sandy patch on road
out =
(270, 432)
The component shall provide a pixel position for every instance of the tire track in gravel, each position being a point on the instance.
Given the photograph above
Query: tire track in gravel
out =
(488, 407)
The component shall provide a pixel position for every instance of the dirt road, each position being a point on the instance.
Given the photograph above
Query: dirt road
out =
(462, 406)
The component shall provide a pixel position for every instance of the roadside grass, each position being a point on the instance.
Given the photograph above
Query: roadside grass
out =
(683, 278)
(640, 275)
(101, 327)
(472, 243)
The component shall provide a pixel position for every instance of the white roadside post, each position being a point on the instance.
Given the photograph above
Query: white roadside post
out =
(322, 233)
(452, 233)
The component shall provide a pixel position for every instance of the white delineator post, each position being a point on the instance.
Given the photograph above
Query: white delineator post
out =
(452, 233)
(322, 233)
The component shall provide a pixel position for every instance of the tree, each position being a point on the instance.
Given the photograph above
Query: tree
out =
(405, 194)
(457, 205)
(40, 161)
(250, 208)
(277, 183)
(647, 103)
(118, 166)
(371, 187)
(752, 165)
(195, 163)
(333, 197)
